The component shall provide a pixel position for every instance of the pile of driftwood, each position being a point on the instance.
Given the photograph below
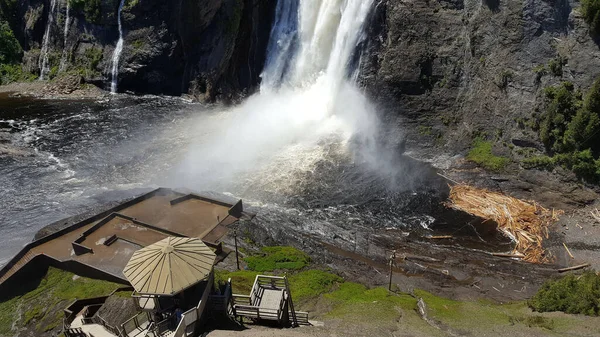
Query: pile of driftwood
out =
(525, 222)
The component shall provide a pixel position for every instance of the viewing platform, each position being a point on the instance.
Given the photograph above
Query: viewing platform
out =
(100, 246)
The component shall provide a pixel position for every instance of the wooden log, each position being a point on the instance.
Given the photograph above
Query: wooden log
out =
(581, 266)
(568, 251)
(439, 237)
(517, 256)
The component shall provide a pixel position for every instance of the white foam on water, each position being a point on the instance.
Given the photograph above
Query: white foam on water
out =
(306, 102)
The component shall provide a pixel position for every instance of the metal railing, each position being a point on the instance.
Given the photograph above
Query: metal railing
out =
(134, 322)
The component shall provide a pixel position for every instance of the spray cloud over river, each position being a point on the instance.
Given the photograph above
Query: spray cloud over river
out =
(306, 102)
(308, 148)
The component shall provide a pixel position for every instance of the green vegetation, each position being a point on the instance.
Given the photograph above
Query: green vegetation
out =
(129, 4)
(87, 65)
(10, 50)
(555, 65)
(10, 57)
(481, 153)
(591, 13)
(425, 130)
(43, 301)
(540, 162)
(505, 77)
(312, 283)
(326, 295)
(91, 9)
(10, 73)
(535, 321)
(570, 129)
(355, 301)
(278, 257)
(572, 294)
(540, 71)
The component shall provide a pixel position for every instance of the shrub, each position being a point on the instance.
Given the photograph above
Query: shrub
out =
(505, 77)
(481, 153)
(540, 71)
(563, 103)
(591, 13)
(10, 73)
(91, 9)
(541, 162)
(571, 294)
(556, 66)
(10, 50)
(279, 257)
(570, 128)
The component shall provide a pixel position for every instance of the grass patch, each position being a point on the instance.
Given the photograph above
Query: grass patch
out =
(571, 294)
(56, 286)
(241, 280)
(534, 321)
(312, 283)
(481, 154)
(276, 258)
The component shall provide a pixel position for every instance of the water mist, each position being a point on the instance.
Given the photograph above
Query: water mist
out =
(308, 105)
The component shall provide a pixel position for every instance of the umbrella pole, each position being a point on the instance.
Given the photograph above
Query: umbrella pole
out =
(237, 258)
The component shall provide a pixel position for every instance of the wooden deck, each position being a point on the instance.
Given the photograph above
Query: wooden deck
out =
(269, 299)
(127, 228)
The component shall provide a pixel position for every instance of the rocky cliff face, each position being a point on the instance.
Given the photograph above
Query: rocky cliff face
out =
(456, 70)
(208, 48)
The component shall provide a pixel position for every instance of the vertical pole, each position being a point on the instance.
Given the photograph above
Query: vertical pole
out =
(392, 258)
(237, 258)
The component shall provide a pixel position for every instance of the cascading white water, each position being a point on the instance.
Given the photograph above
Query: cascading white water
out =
(306, 102)
(117, 53)
(63, 59)
(43, 61)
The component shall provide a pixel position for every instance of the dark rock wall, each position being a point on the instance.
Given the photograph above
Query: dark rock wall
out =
(454, 69)
(208, 48)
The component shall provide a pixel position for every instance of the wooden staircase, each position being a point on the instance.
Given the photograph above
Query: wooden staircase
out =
(21, 263)
(270, 299)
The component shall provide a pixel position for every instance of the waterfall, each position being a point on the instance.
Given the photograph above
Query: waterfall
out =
(308, 110)
(63, 59)
(117, 53)
(43, 61)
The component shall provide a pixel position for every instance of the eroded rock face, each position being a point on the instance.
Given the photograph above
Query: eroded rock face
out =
(208, 48)
(467, 67)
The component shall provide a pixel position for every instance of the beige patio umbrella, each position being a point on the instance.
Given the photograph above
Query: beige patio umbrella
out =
(169, 266)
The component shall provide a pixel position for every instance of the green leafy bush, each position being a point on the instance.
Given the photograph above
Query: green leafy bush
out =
(10, 73)
(591, 13)
(505, 77)
(572, 294)
(541, 162)
(563, 103)
(91, 9)
(556, 66)
(481, 153)
(278, 257)
(570, 129)
(10, 50)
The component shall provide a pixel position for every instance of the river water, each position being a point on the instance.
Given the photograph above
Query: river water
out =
(310, 150)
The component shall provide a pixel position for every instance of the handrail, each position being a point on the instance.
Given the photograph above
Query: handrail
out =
(150, 329)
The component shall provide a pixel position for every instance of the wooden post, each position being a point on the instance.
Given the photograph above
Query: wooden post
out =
(237, 258)
(392, 259)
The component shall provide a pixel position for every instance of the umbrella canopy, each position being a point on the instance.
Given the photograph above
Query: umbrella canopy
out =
(169, 266)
